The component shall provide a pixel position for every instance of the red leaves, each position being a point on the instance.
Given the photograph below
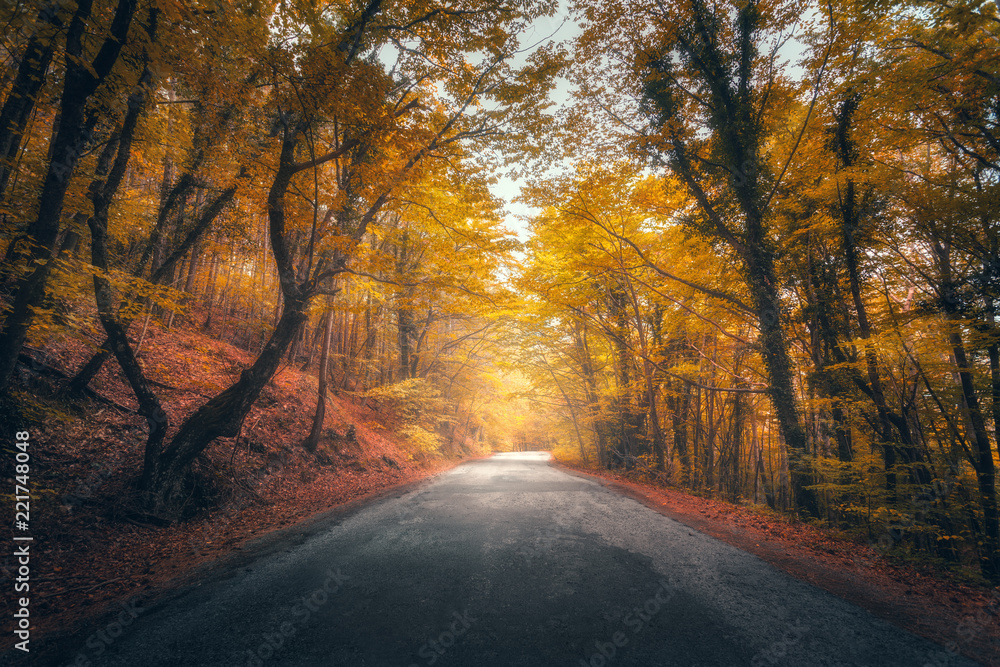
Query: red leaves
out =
(97, 553)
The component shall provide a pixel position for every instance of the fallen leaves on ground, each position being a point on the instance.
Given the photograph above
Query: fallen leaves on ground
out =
(91, 551)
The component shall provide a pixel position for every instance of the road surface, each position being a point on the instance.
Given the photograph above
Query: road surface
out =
(503, 561)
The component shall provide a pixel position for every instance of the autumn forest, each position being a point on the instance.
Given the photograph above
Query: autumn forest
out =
(760, 259)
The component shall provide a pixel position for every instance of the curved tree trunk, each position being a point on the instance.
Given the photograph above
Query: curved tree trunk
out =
(208, 215)
(165, 472)
(102, 193)
(220, 417)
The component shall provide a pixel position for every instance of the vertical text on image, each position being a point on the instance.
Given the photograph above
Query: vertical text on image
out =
(22, 540)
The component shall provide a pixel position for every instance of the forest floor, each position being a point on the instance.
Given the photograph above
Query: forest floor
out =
(93, 551)
(962, 617)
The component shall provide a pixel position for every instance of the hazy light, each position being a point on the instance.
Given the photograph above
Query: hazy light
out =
(523, 456)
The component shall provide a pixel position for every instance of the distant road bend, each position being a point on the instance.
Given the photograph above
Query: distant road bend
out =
(506, 561)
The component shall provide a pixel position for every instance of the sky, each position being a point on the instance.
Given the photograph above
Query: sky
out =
(546, 30)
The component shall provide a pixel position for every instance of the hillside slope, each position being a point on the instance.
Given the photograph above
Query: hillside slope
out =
(91, 546)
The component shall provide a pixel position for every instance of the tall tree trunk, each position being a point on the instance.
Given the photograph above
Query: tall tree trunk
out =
(679, 407)
(21, 99)
(648, 373)
(736, 442)
(406, 327)
(590, 384)
(627, 413)
(77, 121)
(312, 441)
(781, 389)
(405, 331)
(982, 460)
(892, 427)
(696, 438)
(727, 68)
(983, 463)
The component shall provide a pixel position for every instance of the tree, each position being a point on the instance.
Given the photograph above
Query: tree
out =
(87, 73)
(709, 95)
(330, 82)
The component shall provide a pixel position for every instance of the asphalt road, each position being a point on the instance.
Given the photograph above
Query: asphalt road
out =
(505, 561)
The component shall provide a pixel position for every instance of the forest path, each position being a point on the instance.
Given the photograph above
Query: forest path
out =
(504, 561)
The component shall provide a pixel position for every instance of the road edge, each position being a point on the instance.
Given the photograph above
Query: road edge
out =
(59, 646)
(919, 615)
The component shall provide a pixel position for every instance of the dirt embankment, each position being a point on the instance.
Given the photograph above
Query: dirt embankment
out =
(962, 618)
